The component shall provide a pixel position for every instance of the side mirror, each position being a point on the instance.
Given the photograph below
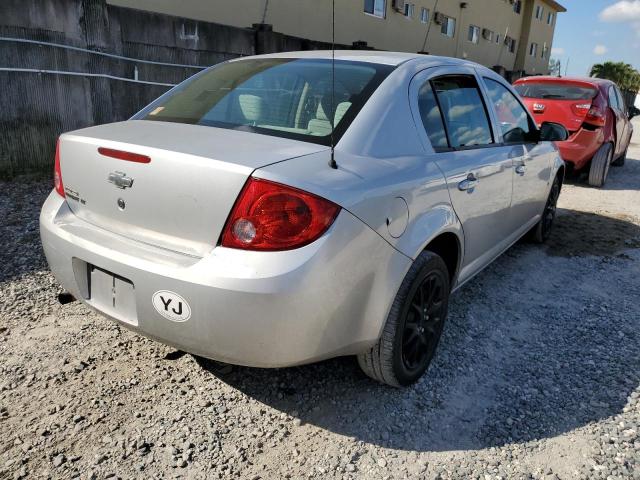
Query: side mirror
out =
(553, 132)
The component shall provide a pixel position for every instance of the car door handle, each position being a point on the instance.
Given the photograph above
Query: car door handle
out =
(468, 184)
(521, 165)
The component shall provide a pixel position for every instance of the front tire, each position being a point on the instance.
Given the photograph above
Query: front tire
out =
(600, 165)
(414, 325)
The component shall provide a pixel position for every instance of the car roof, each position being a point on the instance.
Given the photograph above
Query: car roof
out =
(370, 56)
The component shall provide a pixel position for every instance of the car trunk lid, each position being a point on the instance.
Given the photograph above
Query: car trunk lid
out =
(181, 197)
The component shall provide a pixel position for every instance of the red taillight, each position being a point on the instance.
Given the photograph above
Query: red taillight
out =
(57, 173)
(122, 155)
(581, 109)
(270, 216)
(596, 117)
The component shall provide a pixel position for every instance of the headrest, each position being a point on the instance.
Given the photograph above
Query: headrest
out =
(251, 107)
(321, 112)
(341, 109)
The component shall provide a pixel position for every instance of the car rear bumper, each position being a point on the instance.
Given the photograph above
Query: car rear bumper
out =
(263, 309)
(581, 146)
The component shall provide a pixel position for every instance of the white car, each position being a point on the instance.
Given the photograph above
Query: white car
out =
(217, 219)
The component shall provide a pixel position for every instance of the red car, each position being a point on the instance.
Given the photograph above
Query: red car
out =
(594, 113)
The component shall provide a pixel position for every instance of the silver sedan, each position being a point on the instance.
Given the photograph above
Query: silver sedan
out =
(221, 220)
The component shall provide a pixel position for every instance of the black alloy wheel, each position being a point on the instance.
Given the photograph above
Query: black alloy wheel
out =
(550, 208)
(414, 325)
(423, 322)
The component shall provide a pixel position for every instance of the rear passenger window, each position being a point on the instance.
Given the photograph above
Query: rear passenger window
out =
(613, 99)
(464, 113)
(514, 121)
(432, 118)
(621, 103)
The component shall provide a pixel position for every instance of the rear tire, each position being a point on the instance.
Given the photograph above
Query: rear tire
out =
(619, 162)
(414, 325)
(600, 165)
(540, 233)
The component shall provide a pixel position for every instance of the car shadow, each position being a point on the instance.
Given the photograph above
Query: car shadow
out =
(577, 233)
(506, 371)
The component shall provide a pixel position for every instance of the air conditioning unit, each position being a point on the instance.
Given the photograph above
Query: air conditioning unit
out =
(438, 18)
(486, 33)
(398, 6)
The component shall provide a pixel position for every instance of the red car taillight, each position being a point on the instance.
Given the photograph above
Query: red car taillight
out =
(270, 216)
(581, 109)
(596, 117)
(57, 173)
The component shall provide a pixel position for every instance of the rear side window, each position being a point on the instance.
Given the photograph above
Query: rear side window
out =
(432, 118)
(512, 116)
(621, 103)
(613, 100)
(558, 91)
(464, 113)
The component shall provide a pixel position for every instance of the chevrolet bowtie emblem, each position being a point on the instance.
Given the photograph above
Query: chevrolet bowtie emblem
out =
(120, 180)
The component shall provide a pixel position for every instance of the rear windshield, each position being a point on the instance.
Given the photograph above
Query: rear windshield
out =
(289, 98)
(560, 91)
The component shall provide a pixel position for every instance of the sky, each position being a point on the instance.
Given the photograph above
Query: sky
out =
(596, 31)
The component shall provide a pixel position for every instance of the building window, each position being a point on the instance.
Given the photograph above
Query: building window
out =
(517, 6)
(510, 43)
(487, 34)
(539, 12)
(448, 27)
(409, 9)
(533, 49)
(545, 50)
(474, 34)
(377, 8)
(550, 18)
(424, 15)
(498, 38)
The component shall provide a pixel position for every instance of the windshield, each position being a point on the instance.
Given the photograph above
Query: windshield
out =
(559, 91)
(276, 96)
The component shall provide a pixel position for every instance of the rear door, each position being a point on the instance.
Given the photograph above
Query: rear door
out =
(454, 123)
(531, 161)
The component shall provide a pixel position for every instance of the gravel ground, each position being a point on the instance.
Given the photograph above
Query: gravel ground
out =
(537, 375)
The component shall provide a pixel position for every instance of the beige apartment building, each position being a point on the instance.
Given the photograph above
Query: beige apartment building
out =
(510, 35)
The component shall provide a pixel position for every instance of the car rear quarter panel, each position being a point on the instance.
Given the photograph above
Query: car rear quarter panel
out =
(368, 186)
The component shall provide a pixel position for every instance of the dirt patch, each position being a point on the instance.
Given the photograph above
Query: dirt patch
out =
(577, 233)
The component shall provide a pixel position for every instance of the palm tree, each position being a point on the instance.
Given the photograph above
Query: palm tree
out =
(621, 73)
